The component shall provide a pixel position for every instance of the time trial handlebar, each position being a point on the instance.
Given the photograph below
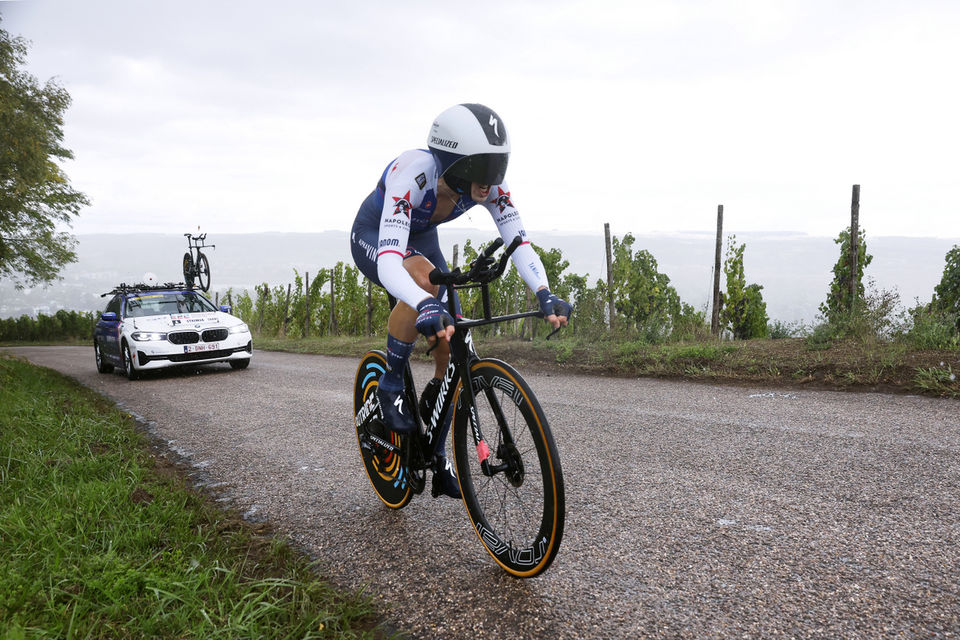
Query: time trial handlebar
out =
(483, 270)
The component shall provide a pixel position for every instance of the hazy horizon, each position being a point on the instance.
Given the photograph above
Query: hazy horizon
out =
(793, 267)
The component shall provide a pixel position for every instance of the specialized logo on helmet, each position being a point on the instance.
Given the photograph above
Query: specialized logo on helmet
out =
(503, 199)
(441, 142)
(494, 123)
(402, 205)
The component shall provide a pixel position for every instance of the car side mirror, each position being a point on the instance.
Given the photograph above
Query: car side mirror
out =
(108, 316)
(226, 308)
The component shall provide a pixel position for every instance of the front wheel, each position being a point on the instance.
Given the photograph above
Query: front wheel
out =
(128, 367)
(384, 452)
(509, 470)
(188, 269)
(203, 271)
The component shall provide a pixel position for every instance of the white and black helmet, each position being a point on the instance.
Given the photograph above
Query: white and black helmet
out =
(470, 144)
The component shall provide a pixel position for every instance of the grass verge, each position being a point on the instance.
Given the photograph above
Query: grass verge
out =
(97, 540)
(848, 365)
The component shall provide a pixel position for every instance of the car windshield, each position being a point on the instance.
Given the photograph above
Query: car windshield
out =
(167, 303)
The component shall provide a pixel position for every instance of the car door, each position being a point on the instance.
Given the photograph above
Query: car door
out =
(108, 329)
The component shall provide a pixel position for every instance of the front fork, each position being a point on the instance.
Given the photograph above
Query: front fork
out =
(462, 351)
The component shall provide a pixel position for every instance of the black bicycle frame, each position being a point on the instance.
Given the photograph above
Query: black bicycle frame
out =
(463, 354)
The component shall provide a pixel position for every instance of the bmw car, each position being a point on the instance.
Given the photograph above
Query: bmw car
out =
(147, 327)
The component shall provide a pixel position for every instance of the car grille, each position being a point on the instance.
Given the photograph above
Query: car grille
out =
(184, 337)
(214, 335)
(203, 355)
(191, 357)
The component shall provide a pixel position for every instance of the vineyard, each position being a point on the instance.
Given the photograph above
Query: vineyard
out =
(634, 323)
(339, 301)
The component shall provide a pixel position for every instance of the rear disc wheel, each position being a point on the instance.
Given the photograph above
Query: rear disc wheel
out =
(383, 451)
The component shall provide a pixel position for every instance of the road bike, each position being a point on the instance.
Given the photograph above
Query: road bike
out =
(507, 462)
(196, 270)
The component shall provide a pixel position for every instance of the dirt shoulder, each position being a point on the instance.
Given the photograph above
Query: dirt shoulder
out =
(841, 366)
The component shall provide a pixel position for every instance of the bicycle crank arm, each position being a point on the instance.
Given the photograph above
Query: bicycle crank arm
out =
(383, 444)
(492, 470)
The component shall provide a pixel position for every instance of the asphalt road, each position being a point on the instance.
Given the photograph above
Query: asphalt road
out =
(692, 510)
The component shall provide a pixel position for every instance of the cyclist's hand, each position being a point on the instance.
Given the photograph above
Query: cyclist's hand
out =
(555, 310)
(433, 320)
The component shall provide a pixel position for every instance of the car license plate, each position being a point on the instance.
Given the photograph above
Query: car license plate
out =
(195, 348)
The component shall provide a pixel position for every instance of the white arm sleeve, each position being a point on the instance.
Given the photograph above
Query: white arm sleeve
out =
(507, 218)
(395, 232)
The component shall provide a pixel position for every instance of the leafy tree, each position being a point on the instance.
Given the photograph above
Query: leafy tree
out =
(839, 303)
(642, 295)
(947, 296)
(35, 194)
(63, 325)
(589, 304)
(744, 312)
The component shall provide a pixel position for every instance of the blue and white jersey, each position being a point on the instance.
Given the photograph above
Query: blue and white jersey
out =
(404, 203)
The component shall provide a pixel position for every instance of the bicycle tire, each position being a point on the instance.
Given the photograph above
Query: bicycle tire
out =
(203, 271)
(387, 471)
(521, 530)
(188, 269)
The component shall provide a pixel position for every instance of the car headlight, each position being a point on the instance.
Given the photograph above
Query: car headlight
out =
(240, 328)
(148, 336)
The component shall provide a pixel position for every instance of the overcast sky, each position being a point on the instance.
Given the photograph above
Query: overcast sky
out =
(279, 116)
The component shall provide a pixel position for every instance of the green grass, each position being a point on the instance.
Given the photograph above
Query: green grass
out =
(352, 346)
(822, 360)
(97, 540)
(940, 380)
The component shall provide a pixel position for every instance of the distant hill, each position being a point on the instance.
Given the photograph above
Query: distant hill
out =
(793, 268)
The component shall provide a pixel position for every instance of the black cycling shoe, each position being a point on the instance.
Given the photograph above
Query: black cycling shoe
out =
(395, 410)
(429, 398)
(445, 480)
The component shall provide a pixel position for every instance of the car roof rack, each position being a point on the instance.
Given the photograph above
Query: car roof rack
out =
(140, 288)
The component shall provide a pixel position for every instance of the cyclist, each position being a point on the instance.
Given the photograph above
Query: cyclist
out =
(394, 243)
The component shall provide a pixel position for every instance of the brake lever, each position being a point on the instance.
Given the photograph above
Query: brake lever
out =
(554, 332)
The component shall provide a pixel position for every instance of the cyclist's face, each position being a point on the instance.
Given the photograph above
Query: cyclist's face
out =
(479, 192)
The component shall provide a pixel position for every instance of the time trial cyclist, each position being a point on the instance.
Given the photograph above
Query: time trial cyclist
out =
(394, 243)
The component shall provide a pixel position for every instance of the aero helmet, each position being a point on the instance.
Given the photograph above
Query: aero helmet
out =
(470, 144)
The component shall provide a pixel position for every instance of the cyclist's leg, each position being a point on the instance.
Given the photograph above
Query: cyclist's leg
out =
(401, 325)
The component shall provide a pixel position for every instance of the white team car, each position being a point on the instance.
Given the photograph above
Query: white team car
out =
(148, 327)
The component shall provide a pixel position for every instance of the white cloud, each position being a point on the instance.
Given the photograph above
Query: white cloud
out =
(648, 114)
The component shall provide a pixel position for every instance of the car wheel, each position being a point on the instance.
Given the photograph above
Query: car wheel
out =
(129, 369)
(240, 364)
(102, 366)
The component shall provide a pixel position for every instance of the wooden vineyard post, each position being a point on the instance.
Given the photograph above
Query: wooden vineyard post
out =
(715, 316)
(263, 303)
(333, 311)
(286, 310)
(606, 236)
(854, 245)
(369, 326)
(306, 319)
